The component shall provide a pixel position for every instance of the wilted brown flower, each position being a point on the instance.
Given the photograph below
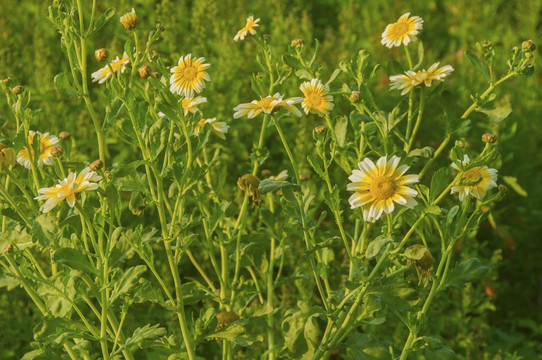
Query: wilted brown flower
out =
(249, 183)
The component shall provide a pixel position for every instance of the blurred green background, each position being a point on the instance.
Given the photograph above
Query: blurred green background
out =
(31, 55)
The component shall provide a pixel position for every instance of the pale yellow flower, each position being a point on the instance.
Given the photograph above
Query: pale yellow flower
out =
(104, 73)
(188, 76)
(250, 28)
(129, 20)
(67, 189)
(377, 187)
(403, 31)
(191, 105)
(219, 128)
(7, 157)
(411, 79)
(267, 105)
(317, 100)
(47, 142)
(479, 180)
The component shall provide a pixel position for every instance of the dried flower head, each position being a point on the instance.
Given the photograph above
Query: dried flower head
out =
(17, 90)
(250, 183)
(101, 54)
(225, 318)
(144, 71)
(96, 165)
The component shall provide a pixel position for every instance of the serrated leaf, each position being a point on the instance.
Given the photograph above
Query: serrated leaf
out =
(139, 335)
(467, 271)
(440, 180)
(102, 21)
(126, 282)
(499, 113)
(436, 350)
(74, 259)
(478, 65)
(268, 185)
(292, 61)
(64, 87)
(376, 245)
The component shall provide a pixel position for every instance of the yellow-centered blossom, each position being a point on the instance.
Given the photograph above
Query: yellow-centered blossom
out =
(267, 105)
(476, 181)
(47, 143)
(188, 76)
(377, 187)
(104, 73)
(316, 99)
(191, 105)
(67, 189)
(403, 31)
(250, 28)
(219, 128)
(410, 79)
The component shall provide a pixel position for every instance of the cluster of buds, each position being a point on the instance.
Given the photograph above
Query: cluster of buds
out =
(521, 61)
(488, 52)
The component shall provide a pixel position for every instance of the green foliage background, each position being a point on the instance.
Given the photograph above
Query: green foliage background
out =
(30, 54)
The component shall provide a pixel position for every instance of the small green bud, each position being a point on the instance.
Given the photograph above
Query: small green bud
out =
(489, 138)
(528, 45)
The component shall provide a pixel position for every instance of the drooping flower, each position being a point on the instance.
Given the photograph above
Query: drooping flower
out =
(267, 105)
(317, 100)
(67, 189)
(410, 79)
(476, 181)
(191, 105)
(250, 28)
(47, 143)
(7, 156)
(403, 31)
(378, 187)
(188, 76)
(250, 183)
(219, 128)
(129, 20)
(104, 73)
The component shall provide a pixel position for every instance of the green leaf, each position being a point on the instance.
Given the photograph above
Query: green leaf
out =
(292, 61)
(499, 113)
(333, 76)
(467, 271)
(43, 229)
(102, 21)
(478, 65)
(300, 331)
(340, 130)
(268, 185)
(436, 350)
(63, 86)
(129, 49)
(513, 183)
(393, 67)
(414, 253)
(366, 347)
(441, 179)
(237, 333)
(426, 152)
(376, 245)
(128, 279)
(146, 332)
(74, 259)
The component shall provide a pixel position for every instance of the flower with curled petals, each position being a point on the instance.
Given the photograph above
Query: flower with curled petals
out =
(188, 76)
(378, 186)
(267, 105)
(220, 128)
(47, 143)
(250, 28)
(67, 189)
(476, 181)
(105, 73)
(411, 79)
(403, 31)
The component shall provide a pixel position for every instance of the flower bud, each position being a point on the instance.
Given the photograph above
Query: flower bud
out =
(320, 129)
(355, 97)
(298, 42)
(250, 183)
(144, 71)
(160, 27)
(101, 54)
(6, 81)
(489, 138)
(96, 165)
(107, 174)
(487, 45)
(266, 173)
(57, 151)
(267, 37)
(156, 74)
(503, 189)
(129, 20)
(528, 45)
(303, 177)
(17, 90)
(64, 135)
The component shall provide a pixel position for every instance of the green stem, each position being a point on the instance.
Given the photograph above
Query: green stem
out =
(270, 288)
(418, 122)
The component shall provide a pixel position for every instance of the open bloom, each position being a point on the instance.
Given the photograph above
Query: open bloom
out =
(250, 28)
(267, 105)
(410, 79)
(7, 156)
(104, 73)
(67, 189)
(402, 31)
(219, 128)
(377, 187)
(317, 100)
(188, 76)
(47, 143)
(478, 181)
(191, 105)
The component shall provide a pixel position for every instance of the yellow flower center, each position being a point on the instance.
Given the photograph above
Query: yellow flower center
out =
(400, 29)
(315, 99)
(472, 174)
(382, 188)
(190, 72)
